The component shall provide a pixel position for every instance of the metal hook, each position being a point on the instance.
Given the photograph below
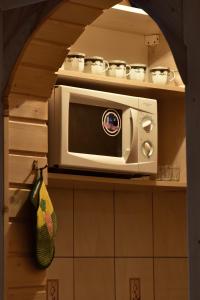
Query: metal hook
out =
(36, 168)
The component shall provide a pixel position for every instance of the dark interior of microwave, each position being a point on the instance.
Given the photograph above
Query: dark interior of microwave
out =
(89, 134)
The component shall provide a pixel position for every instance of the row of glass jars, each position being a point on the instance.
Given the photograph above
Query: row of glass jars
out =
(76, 61)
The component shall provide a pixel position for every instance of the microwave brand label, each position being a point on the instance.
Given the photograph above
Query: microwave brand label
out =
(111, 122)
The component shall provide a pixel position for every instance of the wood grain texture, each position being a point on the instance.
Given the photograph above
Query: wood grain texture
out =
(19, 206)
(44, 54)
(172, 148)
(62, 270)
(170, 231)
(133, 224)
(57, 32)
(94, 278)
(27, 293)
(97, 3)
(171, 279)
(33, 81)
(28, 107)
(63, 205)
(21, 238)
(127, 268)
(93, 223)
(30, 275)
(75, 13)
(28, 137)
(20, 168)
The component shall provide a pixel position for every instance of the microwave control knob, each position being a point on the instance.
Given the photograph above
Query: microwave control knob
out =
(147, 125)
(147, 149)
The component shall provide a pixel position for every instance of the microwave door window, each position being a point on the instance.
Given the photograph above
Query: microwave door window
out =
(95, 130)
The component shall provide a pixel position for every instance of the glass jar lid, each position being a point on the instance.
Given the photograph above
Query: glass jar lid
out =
(76, 54)
(117, 62)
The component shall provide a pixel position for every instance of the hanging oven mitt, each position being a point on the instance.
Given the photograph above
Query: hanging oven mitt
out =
(46, 224)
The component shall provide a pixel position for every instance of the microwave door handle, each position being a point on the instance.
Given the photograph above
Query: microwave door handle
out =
(131, 154)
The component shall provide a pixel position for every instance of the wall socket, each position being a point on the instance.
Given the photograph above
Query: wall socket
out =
(135, 291)
(52, 289)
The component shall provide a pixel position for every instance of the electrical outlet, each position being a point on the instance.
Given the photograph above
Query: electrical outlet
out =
(135, 293)
(52, 289)
(152, 40)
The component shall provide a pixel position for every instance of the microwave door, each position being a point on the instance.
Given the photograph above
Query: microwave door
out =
(131, 136)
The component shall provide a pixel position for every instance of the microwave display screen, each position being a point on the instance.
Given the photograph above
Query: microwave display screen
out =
(95, 130)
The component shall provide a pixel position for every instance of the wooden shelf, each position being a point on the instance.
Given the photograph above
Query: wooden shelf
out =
(113, 84)
(65, 181)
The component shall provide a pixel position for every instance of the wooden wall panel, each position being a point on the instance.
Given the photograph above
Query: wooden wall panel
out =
(171, 279)
(33, 81)
(94, 278)
(97, 3)
(63, 204)
(62, 270)
(27, 294)
(28, 137)
(24, 273)
(29, 107)
(93, 40)
(170, 228)
(134, 268)
(133, 224)
(44, 54)
(19, 206)
(171, 133)
(75, 13)
(57, 32)
(20, 168)
(20, 238)
(93, 223)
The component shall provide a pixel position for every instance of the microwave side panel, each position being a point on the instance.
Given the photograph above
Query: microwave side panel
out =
(54, 127)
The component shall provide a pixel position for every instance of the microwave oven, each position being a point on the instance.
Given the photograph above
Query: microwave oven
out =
(102, 132)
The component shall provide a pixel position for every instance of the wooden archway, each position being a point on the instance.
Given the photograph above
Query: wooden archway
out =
(43, 52)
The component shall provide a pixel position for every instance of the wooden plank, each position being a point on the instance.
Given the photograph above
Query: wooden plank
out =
(19, 206)
(33, 81)
(134, 268)
(97, 3)
(62, 271)
(93, 224)
(63, 205)
(27, 107)
(75, 13)
(95, 81)
(44, 54)
(67, 181)
(28, 137)
(20, 168)
(58, 32)
(94, 278)
(133, 224)
(171, 278)
(22, 272)
(170, 232)
(21, 237)
(27, 294)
